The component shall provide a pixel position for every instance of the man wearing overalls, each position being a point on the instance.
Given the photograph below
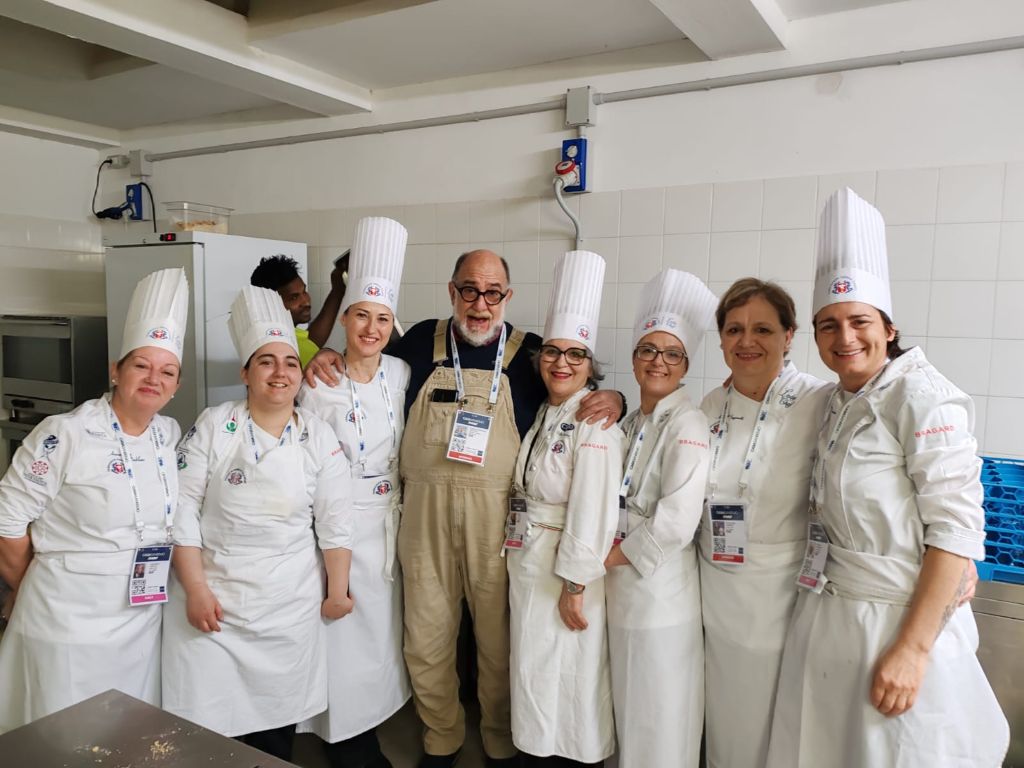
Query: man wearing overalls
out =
(473, 392)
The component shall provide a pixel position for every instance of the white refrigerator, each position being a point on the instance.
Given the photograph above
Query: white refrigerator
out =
(217, 266)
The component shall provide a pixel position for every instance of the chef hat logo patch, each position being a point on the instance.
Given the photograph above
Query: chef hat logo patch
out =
(372, 289)
(652, 323)
(275, 332)
(160, 334)
(842, 286)
(583, 331)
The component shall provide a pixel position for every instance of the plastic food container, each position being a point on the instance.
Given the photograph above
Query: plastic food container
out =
(197, 217)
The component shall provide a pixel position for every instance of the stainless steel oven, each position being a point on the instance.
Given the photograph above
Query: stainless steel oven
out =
(48, 365)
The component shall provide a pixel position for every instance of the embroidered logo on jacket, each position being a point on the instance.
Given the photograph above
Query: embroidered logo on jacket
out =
(558, 446)
(235, 476)
(383, 488)
(50, 443)
(787, 398)
(182, 461)
(40, 467)
(116, 466)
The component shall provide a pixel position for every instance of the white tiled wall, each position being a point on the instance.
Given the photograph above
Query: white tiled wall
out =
(956, 242)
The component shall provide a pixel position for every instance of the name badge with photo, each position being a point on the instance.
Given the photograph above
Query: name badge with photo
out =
(151, 569)
(812, 572)
(468, 442)
(728, 533)
(516, 523)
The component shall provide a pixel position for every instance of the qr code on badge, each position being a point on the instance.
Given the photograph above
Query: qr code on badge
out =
(719, 545)
(138, 587)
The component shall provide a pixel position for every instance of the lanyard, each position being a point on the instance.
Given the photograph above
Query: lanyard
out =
(632, 457)
(498, 360)
(833, 437)
(755, 438)
(129, 469)
(357, 415)
(252, 437)
(555, 422)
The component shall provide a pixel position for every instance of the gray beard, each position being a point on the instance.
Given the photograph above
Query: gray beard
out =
(481, 339)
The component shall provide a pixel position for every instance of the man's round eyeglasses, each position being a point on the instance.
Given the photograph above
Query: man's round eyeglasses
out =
(573, 355)
(470, 294)
(649, 354)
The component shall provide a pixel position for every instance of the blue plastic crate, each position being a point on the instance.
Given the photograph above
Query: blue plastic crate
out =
(1003, 481)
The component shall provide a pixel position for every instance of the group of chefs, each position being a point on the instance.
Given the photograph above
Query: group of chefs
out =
(782, 567)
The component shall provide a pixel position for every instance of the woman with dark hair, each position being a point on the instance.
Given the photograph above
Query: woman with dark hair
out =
(762, 430)
(87, 503)
(880, 664)
(561, 522)
(263, 485)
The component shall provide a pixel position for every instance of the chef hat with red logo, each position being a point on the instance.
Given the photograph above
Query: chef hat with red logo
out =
(852, 264)
(258, 317)
(576, 299)
(678, 303)
(157, 313)
(375, 263)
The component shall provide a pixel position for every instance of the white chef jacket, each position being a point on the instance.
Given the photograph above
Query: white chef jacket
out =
(255, 522)
(569, 473)
(73, 633)
(900, 474)
(654, 622)
(368, 680)
(747, 607)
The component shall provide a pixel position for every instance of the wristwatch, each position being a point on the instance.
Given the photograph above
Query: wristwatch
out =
(573, 588)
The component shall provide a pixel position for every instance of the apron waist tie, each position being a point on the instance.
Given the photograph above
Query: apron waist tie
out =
(787, 554)
(874, 578)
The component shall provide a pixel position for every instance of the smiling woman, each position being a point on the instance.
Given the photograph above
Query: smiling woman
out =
(263, 484)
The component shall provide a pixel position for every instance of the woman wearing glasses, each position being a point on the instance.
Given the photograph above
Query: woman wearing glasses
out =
(561, 522)
(653, 587)
(754, 532)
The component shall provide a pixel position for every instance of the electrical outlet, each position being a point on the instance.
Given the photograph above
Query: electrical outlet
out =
(118, 161)
(133, 196)
(576, 151)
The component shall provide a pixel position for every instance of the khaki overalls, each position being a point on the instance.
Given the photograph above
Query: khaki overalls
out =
(449, 545)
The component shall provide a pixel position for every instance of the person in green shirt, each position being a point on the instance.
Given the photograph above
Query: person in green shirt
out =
(281, 273)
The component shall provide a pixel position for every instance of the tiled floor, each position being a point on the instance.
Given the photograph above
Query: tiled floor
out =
(400, 739)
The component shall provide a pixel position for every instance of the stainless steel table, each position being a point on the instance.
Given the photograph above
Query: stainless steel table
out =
(113, 730)
(999, 611)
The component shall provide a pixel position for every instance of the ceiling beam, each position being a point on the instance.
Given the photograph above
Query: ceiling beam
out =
(724, 28)
(196, 37)
(40, 126)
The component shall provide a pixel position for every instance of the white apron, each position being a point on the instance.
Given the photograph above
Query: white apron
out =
(655, 639)
(368, 681)
(266, 668)
(73, 634)
(897, 471)
(560, 678)
(747, 608)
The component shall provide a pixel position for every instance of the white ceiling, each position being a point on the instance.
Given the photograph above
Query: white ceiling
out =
(165, 67)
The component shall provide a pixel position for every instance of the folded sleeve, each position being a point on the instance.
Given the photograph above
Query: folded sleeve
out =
(333, 516)
(34, 477)
(684, 469)
(593, 506)
(941, 457)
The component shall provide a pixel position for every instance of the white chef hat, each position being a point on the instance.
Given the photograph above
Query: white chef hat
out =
(258, 317)
(851, 260)
(157, 313)
(678, 303)
(576, 298)
(375, 263)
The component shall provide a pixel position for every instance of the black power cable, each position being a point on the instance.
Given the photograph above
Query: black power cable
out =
(152, 204)
(96, 189)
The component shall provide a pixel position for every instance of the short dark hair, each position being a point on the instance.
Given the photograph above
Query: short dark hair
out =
(462, 258)
(746, 288)
(274, 272)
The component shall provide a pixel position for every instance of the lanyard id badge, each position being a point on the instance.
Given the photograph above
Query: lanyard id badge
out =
(622, 528)
(468, 442)
(516, 524)
(151, 567)
(728, 532)
(812, 572)
(471, 430)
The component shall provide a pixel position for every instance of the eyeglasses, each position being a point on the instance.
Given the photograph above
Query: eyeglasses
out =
(470, 294)
(649, 354)
(573, 355)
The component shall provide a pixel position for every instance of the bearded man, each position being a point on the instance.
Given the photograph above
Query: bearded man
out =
(474, 392)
